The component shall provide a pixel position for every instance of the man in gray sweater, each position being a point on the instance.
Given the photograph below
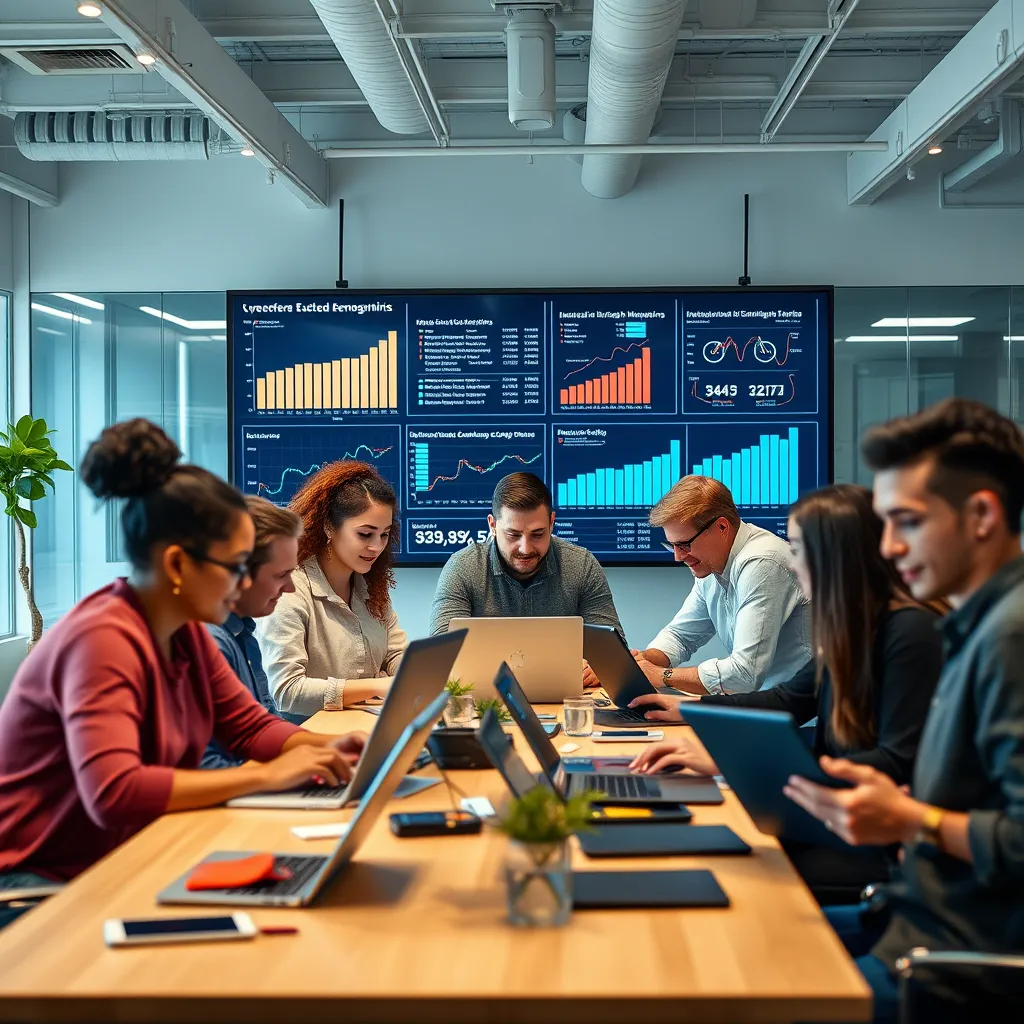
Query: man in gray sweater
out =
(522, 569)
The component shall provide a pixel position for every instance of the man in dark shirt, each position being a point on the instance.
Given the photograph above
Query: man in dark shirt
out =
(950, 486)
(273, 560)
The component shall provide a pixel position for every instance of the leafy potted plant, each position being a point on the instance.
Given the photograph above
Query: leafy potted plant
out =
(537, 869)
(460, 710)
(27, 458)
(500, 711)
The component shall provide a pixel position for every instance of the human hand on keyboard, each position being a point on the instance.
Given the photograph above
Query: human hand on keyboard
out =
(302, 765)
(658, 707)
(674, 754)
(350, 746)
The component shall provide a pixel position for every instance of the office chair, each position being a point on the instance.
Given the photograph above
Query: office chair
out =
(953, 986)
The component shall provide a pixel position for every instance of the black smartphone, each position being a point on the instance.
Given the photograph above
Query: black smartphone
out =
(435, 823)
(552, 728)
(633, 814)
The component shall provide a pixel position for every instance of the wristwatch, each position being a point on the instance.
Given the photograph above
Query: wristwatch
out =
(666, 677)
(931, 822)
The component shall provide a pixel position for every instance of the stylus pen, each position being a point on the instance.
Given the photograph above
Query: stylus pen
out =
(628, 732)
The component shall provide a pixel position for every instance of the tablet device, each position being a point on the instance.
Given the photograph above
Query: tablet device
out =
(610, 889)
(757, 752)
(657, 840)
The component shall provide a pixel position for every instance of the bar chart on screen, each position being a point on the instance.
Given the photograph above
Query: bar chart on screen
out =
(603, 468)
(326, 371)
(763, 468)
(278, 460)
(610, 358)
(459, 468)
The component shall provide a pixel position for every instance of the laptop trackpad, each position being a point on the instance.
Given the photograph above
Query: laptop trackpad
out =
(413, 784)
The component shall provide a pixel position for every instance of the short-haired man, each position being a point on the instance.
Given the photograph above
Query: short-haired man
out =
(744, 592)
(949, 484)
(523, 569)
(274, 558)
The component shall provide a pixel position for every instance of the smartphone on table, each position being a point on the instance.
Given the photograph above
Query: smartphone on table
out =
(147, 931)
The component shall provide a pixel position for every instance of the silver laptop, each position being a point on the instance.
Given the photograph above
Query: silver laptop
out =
(311, 873)
(422, 673)
(545, 652)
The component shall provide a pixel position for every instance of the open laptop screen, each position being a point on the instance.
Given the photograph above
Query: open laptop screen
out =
(526, 718)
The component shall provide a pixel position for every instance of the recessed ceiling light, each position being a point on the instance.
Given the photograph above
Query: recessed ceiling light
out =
(922, 321)
(934, 150)
(62, 313)
(189, 325)
(147, 60)
(90, 10)
(903, 337)
(248, 151)
(1013, 337)
(80, 299)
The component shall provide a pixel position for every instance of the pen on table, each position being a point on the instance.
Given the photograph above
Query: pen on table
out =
(629, 732)
(279, 929)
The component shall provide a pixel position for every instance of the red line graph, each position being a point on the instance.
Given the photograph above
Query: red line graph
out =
(606, 359)
(719, 401)
(724, 346)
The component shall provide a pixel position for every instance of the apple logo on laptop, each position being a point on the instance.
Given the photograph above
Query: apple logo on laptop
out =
(516, 660)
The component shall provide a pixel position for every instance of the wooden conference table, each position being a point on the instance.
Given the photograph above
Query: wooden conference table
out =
(414, 930)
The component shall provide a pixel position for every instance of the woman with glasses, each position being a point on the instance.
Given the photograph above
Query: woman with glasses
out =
(869, 688)
(108, 717)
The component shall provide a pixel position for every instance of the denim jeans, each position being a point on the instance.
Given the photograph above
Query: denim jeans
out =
(18, 880)
(859, 929)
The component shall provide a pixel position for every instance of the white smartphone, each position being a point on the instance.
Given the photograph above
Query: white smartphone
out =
(628, 736)
(145, 931)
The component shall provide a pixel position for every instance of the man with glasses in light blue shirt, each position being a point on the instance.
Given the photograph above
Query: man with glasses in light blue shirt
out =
(744, 592)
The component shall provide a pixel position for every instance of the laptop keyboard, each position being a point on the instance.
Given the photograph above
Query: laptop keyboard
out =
(620, 786)
(631, 715)
(305, 792)
(302, 869)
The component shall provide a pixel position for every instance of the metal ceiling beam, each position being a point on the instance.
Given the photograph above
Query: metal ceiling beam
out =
(813, 52)
(196, 65)
(982, 65)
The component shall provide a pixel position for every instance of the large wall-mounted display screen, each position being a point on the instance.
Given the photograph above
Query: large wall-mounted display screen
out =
(609, 396)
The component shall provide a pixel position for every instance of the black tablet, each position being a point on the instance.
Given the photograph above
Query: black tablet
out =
(657, 840)
(610, 889)
(757, 752)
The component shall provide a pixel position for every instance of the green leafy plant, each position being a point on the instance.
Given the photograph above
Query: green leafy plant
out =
(27, 458)
(457, 689)
(542, 818)
(500, 711)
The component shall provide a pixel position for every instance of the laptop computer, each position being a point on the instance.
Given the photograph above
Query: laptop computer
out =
(622, 678)
(757, 752)
(618, 789)
(546, 653)
(421, 676)
(311, 873)
(649, 839)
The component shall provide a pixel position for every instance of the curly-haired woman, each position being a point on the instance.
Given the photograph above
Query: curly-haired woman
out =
(336, 641)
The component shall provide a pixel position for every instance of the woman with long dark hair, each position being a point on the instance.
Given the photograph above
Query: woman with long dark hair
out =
(336, 640)
(869, 687)
(108, 717)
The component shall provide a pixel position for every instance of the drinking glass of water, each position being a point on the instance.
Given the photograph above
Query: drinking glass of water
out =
(578, 716)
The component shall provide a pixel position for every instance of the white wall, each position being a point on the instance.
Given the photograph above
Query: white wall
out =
(6, 242)
(505, 222)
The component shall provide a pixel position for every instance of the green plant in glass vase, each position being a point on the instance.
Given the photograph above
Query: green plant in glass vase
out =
(27, 460)
(460, 710)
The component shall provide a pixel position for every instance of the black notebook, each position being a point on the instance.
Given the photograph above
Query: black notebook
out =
(593, 889)
(656, 840)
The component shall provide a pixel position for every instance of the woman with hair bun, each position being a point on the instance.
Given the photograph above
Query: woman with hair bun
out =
(107, 719)
(336, 640)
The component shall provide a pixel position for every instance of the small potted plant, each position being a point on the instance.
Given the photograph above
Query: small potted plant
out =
(460, 711)
(500, 711)
(538, 875)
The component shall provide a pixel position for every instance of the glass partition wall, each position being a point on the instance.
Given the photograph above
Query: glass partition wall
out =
(98, 358)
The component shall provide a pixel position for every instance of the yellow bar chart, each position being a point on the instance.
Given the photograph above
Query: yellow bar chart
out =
(365, 381)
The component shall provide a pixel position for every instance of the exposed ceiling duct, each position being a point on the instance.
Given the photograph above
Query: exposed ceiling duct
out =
(530, 40)
(723, 14)
(83, 135)
(631, 51)
(367, 47)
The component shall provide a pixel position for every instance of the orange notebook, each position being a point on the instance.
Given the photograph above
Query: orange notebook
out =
(233, 874)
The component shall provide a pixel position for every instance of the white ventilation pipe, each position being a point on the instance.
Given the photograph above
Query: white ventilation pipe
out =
(95, 135)
(631, 51)
(367, 47)
(530, 42)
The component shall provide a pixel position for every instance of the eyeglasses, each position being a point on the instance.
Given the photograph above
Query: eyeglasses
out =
(239, 569)
(684, 545)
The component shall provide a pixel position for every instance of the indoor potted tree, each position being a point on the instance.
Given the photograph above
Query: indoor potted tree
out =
(27, 458)
(538, 874)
